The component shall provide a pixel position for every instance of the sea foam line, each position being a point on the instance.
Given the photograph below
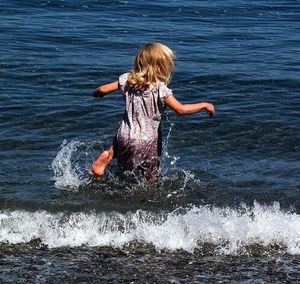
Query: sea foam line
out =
(228, 229)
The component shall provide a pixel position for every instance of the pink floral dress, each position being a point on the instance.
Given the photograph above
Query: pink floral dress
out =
(138, 142)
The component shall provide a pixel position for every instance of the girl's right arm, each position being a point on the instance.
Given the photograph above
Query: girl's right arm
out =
(105, 89)
(183, 109)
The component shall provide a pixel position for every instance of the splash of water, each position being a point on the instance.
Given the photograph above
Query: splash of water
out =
(67, 166)
(168, 161)
(71, 166)
(229, 230)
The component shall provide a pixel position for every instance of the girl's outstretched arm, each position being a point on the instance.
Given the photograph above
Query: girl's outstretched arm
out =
(105, 89)
(183, 109)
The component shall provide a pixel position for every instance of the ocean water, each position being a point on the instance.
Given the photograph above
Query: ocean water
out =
(227, 205)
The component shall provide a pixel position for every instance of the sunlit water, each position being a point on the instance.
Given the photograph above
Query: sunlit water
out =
(226, 206)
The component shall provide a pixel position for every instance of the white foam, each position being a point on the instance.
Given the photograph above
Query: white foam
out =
(228, 229)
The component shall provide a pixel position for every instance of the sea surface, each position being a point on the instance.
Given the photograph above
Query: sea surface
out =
(226, 208)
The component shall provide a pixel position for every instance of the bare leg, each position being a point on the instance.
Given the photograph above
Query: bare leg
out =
(99, 166)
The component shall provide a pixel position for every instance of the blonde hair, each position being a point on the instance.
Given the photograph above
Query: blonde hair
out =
(153, 63)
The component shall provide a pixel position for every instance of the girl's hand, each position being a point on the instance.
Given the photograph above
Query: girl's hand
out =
(210, 108)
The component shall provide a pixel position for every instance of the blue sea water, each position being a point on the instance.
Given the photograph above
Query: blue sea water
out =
(227, 205)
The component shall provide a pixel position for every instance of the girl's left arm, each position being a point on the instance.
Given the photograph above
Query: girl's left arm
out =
(105, 89)
(183, 109)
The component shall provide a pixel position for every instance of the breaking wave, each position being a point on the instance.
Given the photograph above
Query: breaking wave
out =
(229, 230)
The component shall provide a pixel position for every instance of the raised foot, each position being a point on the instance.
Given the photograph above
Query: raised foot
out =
(99, 166)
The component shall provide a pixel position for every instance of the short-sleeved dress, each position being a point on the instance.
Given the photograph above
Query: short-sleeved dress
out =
(138, 142)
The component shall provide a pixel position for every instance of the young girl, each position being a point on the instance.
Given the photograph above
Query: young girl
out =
(138, 142)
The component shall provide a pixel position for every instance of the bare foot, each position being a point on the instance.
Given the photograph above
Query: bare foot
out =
(102, 162)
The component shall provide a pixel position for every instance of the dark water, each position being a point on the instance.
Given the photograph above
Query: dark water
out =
(227, 205)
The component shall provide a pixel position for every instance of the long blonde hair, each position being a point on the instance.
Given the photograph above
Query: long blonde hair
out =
(153, 63)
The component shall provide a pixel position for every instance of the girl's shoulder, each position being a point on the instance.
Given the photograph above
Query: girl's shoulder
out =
(123, 78)
(164, 90)
(123, 81)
